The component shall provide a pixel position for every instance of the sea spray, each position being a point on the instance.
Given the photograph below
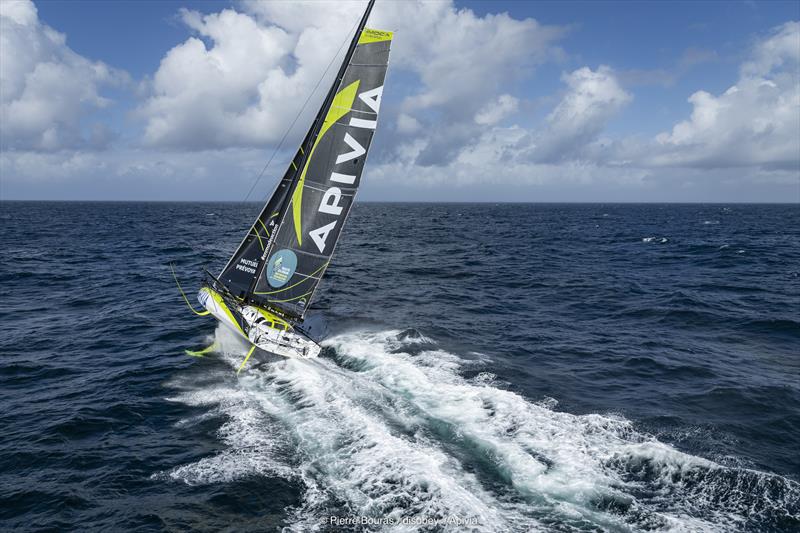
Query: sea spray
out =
(381, 429)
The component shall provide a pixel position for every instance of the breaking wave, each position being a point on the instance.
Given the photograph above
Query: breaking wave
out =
(387, 426)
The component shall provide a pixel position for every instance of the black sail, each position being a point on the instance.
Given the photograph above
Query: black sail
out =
(284, 255)
(325, 185)
(239, 273)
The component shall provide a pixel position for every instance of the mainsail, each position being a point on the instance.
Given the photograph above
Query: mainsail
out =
(284, 255)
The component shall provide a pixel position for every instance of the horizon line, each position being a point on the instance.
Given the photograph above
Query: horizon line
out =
(463, 202)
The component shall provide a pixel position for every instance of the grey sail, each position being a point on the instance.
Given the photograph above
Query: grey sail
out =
(240, 272)
(282, 258)
(326, 185)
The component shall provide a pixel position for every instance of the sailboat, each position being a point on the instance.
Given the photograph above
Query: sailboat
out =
(267, 286)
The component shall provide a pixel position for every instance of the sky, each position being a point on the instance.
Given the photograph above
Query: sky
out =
(484, 100)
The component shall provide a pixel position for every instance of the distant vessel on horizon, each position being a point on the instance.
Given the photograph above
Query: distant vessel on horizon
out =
(265, 289)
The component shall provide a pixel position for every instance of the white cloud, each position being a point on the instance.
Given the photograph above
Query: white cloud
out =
(463, 60)
(496, 110)
(21, 12)
(517, 155)
(48, 91)
(498, 158)
(246, 75)
(754, 125)
(463, 63)
(780, 48)
(407, 124)
(755, 122)
(592, 99)
(132, 173)
(454, 107)
(242, 89)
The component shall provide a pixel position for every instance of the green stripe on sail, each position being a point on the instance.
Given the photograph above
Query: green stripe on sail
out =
(341, 105)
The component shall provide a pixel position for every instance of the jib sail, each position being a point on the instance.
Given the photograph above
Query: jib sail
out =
(282, 259)
(240, 272)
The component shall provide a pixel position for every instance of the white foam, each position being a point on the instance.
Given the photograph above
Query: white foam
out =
(509, 431)
(405, 435)
(485, 378)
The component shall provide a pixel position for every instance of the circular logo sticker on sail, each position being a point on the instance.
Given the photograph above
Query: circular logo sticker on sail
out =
(281, 267)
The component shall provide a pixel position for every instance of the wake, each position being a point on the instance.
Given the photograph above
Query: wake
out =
(389, 428)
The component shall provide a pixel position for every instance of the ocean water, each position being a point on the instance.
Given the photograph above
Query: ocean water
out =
(488, 368)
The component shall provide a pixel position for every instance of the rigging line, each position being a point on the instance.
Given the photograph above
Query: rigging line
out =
(286, 134)
(185, 299)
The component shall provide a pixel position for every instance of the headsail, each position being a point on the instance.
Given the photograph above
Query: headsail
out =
(240, 272)
(283, 257)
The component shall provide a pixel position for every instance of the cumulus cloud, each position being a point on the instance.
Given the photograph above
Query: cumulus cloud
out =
(753, 126)
(497, 110)
(242, 88)
(245, 75)
(454, 108)
(780, 48)
(556, 152)
(48, 91)
(498, 163)
(464, 64)
(463, 60)
(592, 99)
(755, 122)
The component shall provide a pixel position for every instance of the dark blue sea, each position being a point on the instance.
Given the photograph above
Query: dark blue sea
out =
(489, 367)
